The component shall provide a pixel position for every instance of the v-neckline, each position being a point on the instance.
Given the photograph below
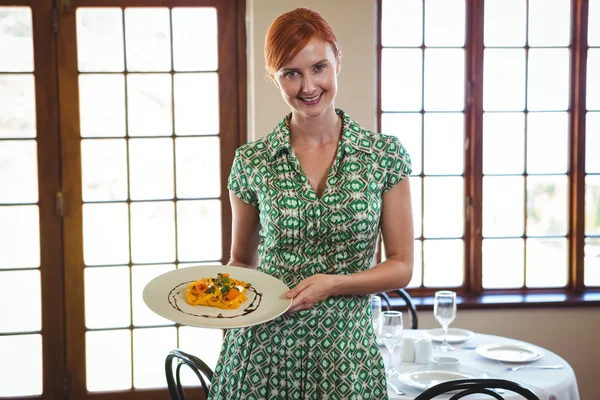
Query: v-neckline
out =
(330, 173)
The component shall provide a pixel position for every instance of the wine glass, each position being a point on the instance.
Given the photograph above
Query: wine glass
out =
(390, 333)
(444, 311)
(376, 306)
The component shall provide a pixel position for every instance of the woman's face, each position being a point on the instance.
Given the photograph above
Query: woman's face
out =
(308, 82)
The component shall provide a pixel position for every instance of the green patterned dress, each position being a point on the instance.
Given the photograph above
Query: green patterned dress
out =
(329, 351)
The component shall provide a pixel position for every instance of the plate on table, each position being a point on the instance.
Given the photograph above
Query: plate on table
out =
(165, 295)
(425, 379)
(516, 353)
(455, 335)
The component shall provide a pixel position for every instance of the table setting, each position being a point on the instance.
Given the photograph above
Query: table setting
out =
(421, 358)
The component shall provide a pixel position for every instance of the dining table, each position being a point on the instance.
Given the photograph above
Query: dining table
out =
(547, 384)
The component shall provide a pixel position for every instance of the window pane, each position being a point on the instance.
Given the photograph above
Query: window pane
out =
(17, 106)
(197, 104)
(547, 263)
(105, 226)
(100, 39)
(104, 310)
(102, 105)
(505, 23)
(199, 230)
(444, 23)
(592, 138)
(401, 77)
(21, 309)
(406, 127)
(108, 360)
(153, 232)
(402, 23)
(18, 171)
(418, 266)
(193, 340)
(503, 143)
(141, 275)
(444, 263)
(19, 237)
(16, 40)
(444, 144)
(104, 169)
(504, 80)
(547, 143)
(594, 23)
(549, 22)
(444, 79)
(22, 375)
(503, 202)
(592, 205)
(547, 201)
(195, 39)
(416, 200)
(149, 105)
(151, 169)
(148, 39)
(150, 347)
(592, 262)
(593, 80)
(444, 207)
(548, 79)
(196, 156)
(503, 263)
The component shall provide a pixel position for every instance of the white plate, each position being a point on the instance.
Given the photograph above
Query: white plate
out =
(426, 379)
(518, 353)
(165, 295)
(455, 335)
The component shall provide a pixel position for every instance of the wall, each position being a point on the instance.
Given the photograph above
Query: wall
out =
(570, 332)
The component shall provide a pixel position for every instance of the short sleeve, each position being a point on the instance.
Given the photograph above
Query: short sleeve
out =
(398, 166)
(239, 181)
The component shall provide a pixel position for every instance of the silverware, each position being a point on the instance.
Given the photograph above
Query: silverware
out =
(486, 376)
(395, 389)
(534, 367)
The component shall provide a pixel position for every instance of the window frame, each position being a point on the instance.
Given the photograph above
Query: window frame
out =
(59, 178)
(471, 293)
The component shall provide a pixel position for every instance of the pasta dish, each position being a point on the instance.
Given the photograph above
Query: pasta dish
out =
(222, 292)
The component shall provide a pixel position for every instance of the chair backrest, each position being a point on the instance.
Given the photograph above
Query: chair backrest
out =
(403, 294)
(202, 371)
(466, 387)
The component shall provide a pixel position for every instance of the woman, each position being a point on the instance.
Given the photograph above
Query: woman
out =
(311, 198)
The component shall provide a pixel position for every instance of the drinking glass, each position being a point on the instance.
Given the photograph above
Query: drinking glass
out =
(390, 333)
(444, 311)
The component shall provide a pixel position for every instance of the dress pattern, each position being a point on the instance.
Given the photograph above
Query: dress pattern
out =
(329, 351)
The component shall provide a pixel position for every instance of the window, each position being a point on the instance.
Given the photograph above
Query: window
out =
(499, 111)
(118, 125)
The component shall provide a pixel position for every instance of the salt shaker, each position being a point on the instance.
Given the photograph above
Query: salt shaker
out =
(407, 354)
(423, 351)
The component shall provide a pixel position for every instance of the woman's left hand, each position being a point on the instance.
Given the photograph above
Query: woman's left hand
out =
(313, 290)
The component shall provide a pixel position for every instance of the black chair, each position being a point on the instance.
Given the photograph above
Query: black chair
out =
(474, 386)
(202, 371)
(401, 293)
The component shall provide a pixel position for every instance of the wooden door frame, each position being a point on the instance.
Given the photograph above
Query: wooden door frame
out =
(232, 100)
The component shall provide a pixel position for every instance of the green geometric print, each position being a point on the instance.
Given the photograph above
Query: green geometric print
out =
(329, 351)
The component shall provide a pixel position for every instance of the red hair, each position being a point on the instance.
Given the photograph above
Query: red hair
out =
(290, 32)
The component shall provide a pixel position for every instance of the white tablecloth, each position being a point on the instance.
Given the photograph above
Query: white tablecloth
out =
(559, 384)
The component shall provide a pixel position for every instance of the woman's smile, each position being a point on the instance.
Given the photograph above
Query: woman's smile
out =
(309, 101)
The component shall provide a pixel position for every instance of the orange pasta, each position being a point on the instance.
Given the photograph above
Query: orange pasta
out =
(222, 292)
